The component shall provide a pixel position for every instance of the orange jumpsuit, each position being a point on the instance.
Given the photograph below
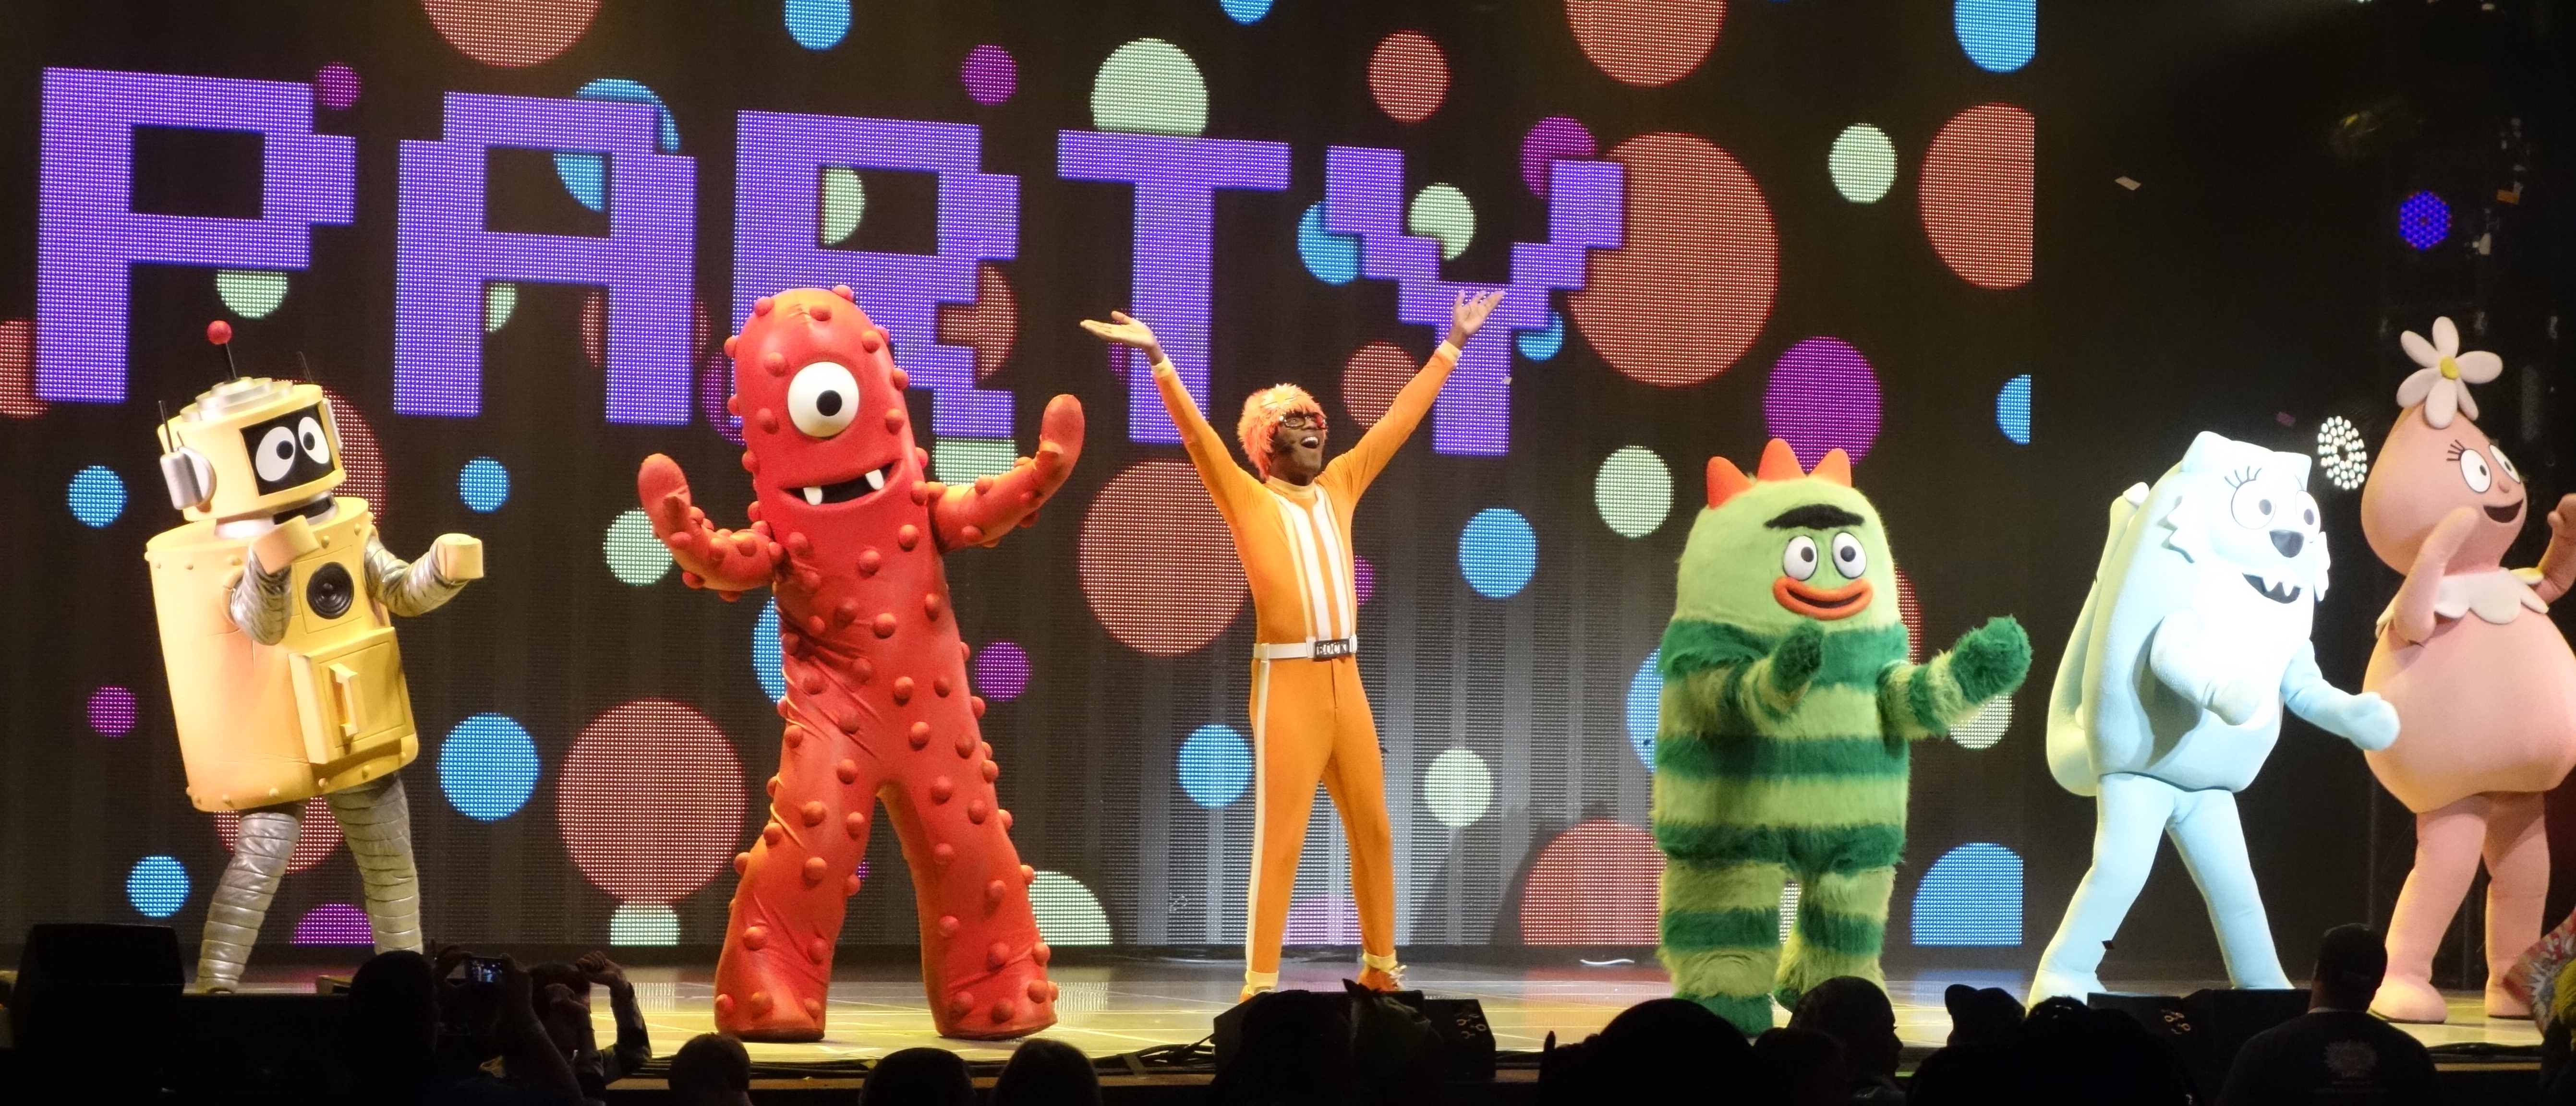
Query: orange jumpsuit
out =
(1310, 717)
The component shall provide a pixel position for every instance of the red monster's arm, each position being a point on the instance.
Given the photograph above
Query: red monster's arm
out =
(729, 561)
(983, 513)
(2411, 616)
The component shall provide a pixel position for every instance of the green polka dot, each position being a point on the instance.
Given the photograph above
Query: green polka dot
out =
(250, 293)
(1458, 788)
(1068, 913)
(1441, 211)
(640, 924)
(1634, 491)
(633, 552)
(843, 202)
(961, 460)
(1863, 162)
(1149, 86)
(1987, 726)
(500, 298)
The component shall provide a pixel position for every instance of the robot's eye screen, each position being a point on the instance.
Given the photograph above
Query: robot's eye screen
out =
(274, 455)
(317, 445)
(823, 399)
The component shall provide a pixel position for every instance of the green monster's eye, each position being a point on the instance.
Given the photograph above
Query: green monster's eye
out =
(1849, 558)
(1799, 560)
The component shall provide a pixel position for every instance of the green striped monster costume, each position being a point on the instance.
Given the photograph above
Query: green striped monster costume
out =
(1781, 750)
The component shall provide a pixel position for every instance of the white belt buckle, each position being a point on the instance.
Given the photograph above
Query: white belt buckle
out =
(1330, 648)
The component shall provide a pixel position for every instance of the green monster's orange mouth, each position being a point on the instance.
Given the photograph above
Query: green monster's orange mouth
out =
(1828, 604)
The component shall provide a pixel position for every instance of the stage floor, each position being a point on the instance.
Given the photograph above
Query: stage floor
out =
(1132, 1005)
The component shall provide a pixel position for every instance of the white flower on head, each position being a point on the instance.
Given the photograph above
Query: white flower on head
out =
(2442, 384)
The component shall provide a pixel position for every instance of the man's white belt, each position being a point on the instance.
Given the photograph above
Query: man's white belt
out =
(1322, 649)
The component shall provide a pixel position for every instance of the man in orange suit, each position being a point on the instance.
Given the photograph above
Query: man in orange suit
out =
(1310, 717)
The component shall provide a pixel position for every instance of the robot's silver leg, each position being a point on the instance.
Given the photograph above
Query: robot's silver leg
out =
(241, 899)
(376, 818)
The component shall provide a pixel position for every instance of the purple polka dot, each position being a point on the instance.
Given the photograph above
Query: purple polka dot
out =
(1363, 577)
(334, 923)
(1002, 671)
(1555, 138)
(336, 86)
(1822, 396)
(863, 870)
(715, 386)
(1322, 920)
(990, 76)
(111, 711)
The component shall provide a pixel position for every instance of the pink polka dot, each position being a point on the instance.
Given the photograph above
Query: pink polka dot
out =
(1822, 396)
(111, 711)
(510, 33)
(1156, 562)
(320, 836)
(1408, 76)
(359, 456)
(1593, 885)
(1001, 671)
(1977, 195)
(989, 74)
(1645, 42)
(334, 923)
(1363, 577)
(651, 801)
(1690, 288)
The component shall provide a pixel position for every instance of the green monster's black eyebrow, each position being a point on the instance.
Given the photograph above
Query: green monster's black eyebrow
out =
(1814, 516)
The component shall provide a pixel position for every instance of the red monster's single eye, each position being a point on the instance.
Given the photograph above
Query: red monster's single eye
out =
(822, 399)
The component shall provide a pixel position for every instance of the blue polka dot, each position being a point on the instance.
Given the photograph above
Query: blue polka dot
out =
(1333, 258)
(1970, 897)
(2012, 409)
(1216, 765)
(765, 662)
(1645, 701)
(586, 175)
(1539, 345)
(1999, 35)
(1246, 12)
(97, 496)
(1498, 552)
(818, 24)
(2423, 220)
(157, 886)
(483, 484)
(488, 767)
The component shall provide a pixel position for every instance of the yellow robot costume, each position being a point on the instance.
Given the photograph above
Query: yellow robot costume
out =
(274, 602)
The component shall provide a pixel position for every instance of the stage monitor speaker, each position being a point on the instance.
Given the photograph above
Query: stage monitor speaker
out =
(263, 1048)
(85, 994)
(1466, 1040)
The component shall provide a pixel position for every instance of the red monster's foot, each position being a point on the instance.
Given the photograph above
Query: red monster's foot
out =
(1015, 1001)
(755, 1005)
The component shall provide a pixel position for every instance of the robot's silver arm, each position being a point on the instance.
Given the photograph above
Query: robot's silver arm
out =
(407, 588)
(259, 605)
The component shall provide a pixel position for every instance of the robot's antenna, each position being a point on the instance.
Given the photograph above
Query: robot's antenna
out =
(221, 334)
(307, 367)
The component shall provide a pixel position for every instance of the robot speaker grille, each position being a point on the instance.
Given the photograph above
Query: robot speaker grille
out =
(330, 591)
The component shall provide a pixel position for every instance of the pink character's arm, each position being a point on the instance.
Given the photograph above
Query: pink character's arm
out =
(983, 513)
(2412, 616)
(2558, 562)
(730, 562)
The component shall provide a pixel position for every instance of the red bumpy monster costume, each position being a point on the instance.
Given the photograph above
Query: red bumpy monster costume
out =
(849, 533)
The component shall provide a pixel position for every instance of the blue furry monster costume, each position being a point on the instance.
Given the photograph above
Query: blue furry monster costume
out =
(2169, 697)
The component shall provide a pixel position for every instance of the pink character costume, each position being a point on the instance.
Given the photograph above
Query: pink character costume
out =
(2484, 685)
(849, 534)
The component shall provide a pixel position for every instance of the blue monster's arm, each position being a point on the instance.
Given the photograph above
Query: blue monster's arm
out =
(2181, 657)
(2365, 720)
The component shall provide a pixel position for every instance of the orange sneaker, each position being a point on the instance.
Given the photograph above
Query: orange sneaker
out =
(1382, 980)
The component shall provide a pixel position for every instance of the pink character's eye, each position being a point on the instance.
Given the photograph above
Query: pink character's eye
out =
(2473, 469)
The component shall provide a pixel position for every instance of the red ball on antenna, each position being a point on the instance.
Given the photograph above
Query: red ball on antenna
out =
(219, 332)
